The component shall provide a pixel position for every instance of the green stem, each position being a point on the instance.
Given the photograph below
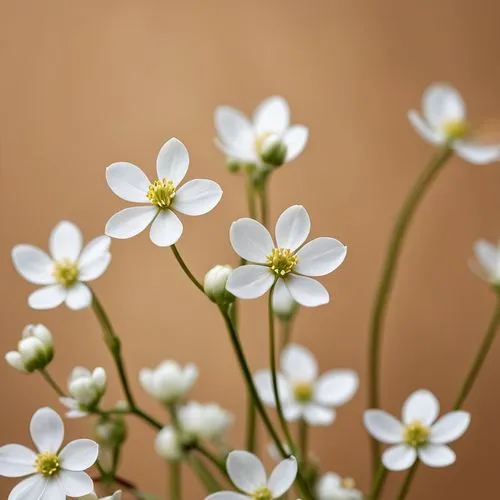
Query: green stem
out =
(388, 273)
(252, 209)
(405, 488)
(286, 332)
(217, 462)
(379, 482)
(251, 431)
(204, 475)
(186, 270)
(263, 203)
(303, 428)
(46, 375)
(175, 480)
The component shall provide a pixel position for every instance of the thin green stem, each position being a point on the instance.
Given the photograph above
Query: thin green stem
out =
(186, 270)
(403, 220)
(175, 480)
(204, 475)
(252, 209)
(286, 332)
(263, 203)
(46, 375)
(405, 488)
(216, 461)
(379, 482)
(303, 435)
(251, 429)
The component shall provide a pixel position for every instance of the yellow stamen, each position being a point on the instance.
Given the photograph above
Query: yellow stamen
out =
(416, 434)
(66, 272)
(263, 493)
(455, 129)
(161, 193)
(303, 391)
(47, 464)
(281, 261)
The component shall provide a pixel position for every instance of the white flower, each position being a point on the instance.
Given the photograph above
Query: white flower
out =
(303, 395)
(87, 388)
(35, 349)
(204, 421)
(168, 445)
(274, 453)
(417, 435)
(160, 197)
(248, 474)
(333, 487)
(53, 475)
(284, 305)
(289, 263)
(169, 381)
(486, 264)
(64, 273)
(444, 121)
(214, 285)
(115, 496)
(268, 140)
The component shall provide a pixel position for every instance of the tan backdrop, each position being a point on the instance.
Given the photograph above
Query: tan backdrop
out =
(84, 84)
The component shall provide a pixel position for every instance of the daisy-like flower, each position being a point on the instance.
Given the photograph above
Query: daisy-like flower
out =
(53, 474)
(444, 121)
(418, 435)
(248, 474)
(159, 198)
(333, 487)
(204, 421)
(303, 394)
(115, 496)
(486, 263)
(65, 272)
(267, 140)
(289, 263)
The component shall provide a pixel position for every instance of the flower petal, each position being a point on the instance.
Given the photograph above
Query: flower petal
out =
(173, 161)
(31, 488)
(336, 387)
(47, 430)
(477, 154)
(78, 296)
(130, 221)
(250, 281)
(292, 411)
(96, 268)
(47, 297)
(295, 139)
(166, 229)
(399, 457)
(298, 364)
(383, 427)
(197, 197)
(424, 129)
(317, 415)
(282, 477)
(92, 256)
(246, 471)
(227, 495)
(53, 491)
(33, 264)
(264, 385)
(450, 427)
(272, 115)
(128, 182)
(307, 291)
(79, 455)
(236, 133)
(293, 227)
(65, 241)
(488, 256)
(75, 484)
(251, 240)
(437, 455)
(16, 461)
(421, 406)
(442, 103)
(320, 256)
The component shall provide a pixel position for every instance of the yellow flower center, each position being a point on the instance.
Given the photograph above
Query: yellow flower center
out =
(303, 392)
(416, 434)
(66, 272)
(47, 464)
(281, 261)
(455, 129)
(161, 193)
(348, 483)
(263, 493)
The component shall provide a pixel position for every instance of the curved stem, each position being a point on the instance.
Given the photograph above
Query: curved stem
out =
(46, 375)
(251, 429)
(205, 477)
(303, 428)
(405, 488)
(252, 212)
(263, 203)
(379, 482)
(219, 464)
(175, 480)
(286, 332)
(186, 270)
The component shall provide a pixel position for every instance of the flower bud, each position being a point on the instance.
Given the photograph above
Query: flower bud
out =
(87, 388)
(233, 165)
(215, 285)
(283, 304)
(273, 151)
(204, 421)
(168, 445)
(111, 432)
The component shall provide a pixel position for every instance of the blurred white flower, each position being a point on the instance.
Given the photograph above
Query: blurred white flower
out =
(486, 263)
(168, 445)
(169, 381)
(34, 351)
(444, 122)
(214, 284)
(290, 263)
(303, 395)
(53, 474)
(159, 198)
(248, 474)
(418, 435)
(269, 140)
(333, 487)
(274, 453)
(64, 273)
(284, 305)
(204, 421)
(115, 496)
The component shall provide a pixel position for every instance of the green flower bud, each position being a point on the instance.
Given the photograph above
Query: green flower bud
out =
(273, 151)
(215, 285)
(111, 431)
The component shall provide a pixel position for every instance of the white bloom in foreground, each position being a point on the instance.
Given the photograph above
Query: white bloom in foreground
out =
(418, 435)
(248, 474)
(64, 273)
(168, 445)
(486, 263)
(53, 475)
(34, 351)
(333, 487)
(159, 198)
(169, 381)
(444, 121)
(289, 263)
(214, 285)
(204, 421)
(269, 140)
(303, 394)
(115, 496)
(87, 388)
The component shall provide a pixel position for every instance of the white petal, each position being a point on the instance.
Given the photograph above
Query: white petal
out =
(251, 240)
(450, 427)
(421, 406)
(33, 264)
(317, 415)
(69, 403)
(477, 154)
(227, 495)
(173, 161)
(65, 241)
(47, 430)
(383, 427)
(246, 471)
(441, 103)
(293, 227)
(264, 385)
(437, 455)
(47, 297)
(236, 133)
(250, 282)
(399, 457)
(96, 268)
(295, 139)
(283, 303)
(75, 484)
(336, 387)
(307, 291)
(488, 256)
(197, 197)
(298, 364)
(29, 489)
(128, 182)
(79, 296)
(16, 460)
(320, 256)
(166, 229)
(424, 129)
(282, 477)
(130, 221)
(76, 414)
(79, 455)
(53, 490)
(272, 115)
(292, 411)
(93, 257)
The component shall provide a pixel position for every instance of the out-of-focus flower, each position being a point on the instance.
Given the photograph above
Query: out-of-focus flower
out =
(486, 262)
(333, 487)
(204, 421)
(110, 431)
(215, 285)
(168, 444)
(284, 305)
(115, 496)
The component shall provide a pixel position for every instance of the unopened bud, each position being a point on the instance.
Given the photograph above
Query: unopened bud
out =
(168, 444)
(273, 151)
(111, 432)
(215, 285)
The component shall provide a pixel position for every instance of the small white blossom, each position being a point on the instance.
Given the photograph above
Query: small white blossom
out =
(333, 487)
(204, 421)
(486, 263)
(214, 284)
(168, 445)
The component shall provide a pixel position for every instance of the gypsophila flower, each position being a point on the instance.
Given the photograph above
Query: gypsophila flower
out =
(160, 198)
(444, 122)
(34, 351)
(53, 475)
(214, 285)
(486, 263)
(269, 140)
(418, 435)
(115, 496)
(333, 487)
(248, 474)
(64, 273)
(168, 444)
(288, 264)
(303, 394)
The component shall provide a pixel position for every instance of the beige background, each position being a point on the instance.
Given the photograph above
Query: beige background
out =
(84, 84)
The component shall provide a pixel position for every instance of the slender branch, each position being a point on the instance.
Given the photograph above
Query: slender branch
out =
(251, 427)
(175, 480)
(263, 203)
(303, 435)
(57, 388)
(286, 332)
(205, 477)
(405, 488)
(186, 270)
(252, 209)
(219, 464)
(379, 482)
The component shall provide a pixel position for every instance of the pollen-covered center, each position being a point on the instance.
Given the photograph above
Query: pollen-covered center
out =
(161, 193)
(47, 464)
(66, 272)
(263, 493)
(303, 391)
(416, 434)
(455, 129)
(281, 261)
(348, 483)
